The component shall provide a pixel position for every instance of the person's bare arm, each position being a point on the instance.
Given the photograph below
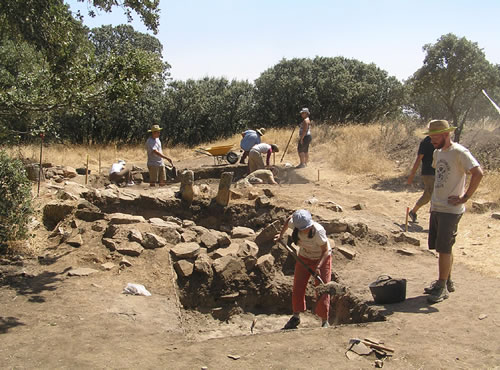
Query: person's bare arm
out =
(305, 128)
(162, 156)
(415, 168)
(475, 180)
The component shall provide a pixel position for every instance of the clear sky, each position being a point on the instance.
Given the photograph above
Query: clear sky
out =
(240, 39)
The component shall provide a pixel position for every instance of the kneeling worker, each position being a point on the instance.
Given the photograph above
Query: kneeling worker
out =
(119, 173)
(255, 161)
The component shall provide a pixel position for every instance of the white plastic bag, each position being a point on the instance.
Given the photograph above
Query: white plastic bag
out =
(136, 289)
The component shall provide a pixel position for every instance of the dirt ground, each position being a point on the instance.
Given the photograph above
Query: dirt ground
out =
(51, 320)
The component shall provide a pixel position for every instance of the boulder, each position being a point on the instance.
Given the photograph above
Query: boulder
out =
(266, 236)
(170, 234)
(110, 244)
(188, 236)
(265, 263)
(186, 250)
(203, 264)
(248, 248)
(124, 218)
(209, 240)
(232, 250)
(184, 268)
(243, 232)
(229, 268)
(132, 249)
(89, 215)
(188, 223)
(135, 236)
(153, 241)
(117, 232)
(68, 171)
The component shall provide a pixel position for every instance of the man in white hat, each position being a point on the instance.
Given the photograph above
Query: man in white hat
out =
(155, 158)
(250, 138)
(452, 162)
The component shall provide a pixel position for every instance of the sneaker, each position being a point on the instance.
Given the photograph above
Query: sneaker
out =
(450, 285)
(325, 325)
(413, 216)
(131, 183)
(439, 295)
(292, 323)
(302, 165)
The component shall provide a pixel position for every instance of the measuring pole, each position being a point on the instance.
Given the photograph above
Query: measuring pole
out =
(283, 156)
(87, 170)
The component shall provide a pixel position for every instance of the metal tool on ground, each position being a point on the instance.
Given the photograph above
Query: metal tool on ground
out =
(284, 152)
(353, 341)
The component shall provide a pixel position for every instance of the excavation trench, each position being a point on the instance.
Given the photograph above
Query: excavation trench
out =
(226, 263)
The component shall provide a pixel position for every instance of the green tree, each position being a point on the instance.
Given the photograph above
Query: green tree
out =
(197, 111)
(455, 71)
(15, 207)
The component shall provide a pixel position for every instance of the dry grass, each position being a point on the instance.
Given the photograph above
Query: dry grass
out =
(353, 149)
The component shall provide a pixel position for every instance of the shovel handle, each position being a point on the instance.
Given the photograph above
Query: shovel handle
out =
(298, 259)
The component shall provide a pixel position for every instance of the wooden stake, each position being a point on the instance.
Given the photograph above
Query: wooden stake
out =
(40, 172)
(87, 170)
(274, 159)
(406, 221)
(318, 174)
(99, 163)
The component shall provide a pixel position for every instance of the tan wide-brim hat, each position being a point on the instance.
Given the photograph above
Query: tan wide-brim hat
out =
(155, 128)
(261, 131)
(439, 126)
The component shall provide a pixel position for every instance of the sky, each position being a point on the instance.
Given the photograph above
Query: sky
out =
(240, 39)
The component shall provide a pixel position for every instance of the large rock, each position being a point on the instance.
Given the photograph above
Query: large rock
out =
(209, 240)
(89, 215)
(124, 218)
(229, 268)
(203, 264)
(158, 222)
(232, 250)
(248, 248)
(188, 236)
(117, 232)
(132, 249)
(186, 250)
(265, 263)
(153, 241)
(266, 236)
(243, 232)
(75, 241)
(111, 244)
(184, 268)
(135, 236)
(334, 226)
(170, 234)
(55, 212)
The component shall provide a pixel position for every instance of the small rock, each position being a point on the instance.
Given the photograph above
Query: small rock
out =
(186, 250)
(184, 268)
(153, 241)
(496, 215)
(482, 316)
(108, 265)
(234, 357)
(359, 207)
(125, 262)
(252, 195)
(349, 253)
(312, 200)
(268, 193)
(75, 241)
(379, 363)
(235, 194)
(243, 232)
(407, 252)
(262, 201)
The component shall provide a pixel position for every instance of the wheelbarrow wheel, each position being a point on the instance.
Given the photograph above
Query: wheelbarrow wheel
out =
(232, 157)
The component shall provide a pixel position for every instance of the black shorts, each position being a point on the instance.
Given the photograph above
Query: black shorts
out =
(443, 231)
(304, 147)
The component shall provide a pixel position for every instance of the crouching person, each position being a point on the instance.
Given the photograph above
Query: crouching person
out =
(119, 173)
(315, 252)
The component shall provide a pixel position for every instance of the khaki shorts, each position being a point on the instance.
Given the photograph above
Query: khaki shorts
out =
(443, 228)
(157, 174)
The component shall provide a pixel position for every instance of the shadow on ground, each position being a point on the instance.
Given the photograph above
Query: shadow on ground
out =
(7, 323)
(32, 286)
(398, 184)
(410, 305)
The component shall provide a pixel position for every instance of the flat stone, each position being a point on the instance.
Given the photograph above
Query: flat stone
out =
(235, 194)
(125, 262)
(229, 268)
(135, 236)
(265, 263)
(110, 243)
(334, 226)
(153, 241)
(186, 250)
(162, 223)
(188, 236)
(124, 218)
(243, 232)
(108, 266)
(132, 249)
(407, 251)
(266, 236)
(203, 264)
(347, 252)
(495, 215)
(184, 268)
(82, 271)
(405, 238)
(75, 241)
(232, 250)
(348, 238)
(188, 223)
(332, 206)
(209, 240)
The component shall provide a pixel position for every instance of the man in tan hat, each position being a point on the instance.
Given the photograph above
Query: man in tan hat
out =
(155, 158)
(250, 138)
(452, 162)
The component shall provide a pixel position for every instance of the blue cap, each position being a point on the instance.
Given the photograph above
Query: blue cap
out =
(302, 219)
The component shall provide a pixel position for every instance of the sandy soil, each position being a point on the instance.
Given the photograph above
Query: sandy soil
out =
(51, 320)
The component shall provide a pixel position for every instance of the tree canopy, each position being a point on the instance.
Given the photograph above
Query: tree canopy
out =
(449, 83)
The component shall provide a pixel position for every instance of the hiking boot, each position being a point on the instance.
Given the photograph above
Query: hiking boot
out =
(302, 165)
(292, 323)
(450, 285)
(439, 295)
(413, 216)
(325, 325)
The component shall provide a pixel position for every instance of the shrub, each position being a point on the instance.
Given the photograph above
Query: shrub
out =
(15, 204)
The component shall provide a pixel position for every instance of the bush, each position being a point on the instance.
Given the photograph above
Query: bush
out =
(15, 204)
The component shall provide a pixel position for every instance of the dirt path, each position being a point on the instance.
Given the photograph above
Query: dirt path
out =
(51, 320)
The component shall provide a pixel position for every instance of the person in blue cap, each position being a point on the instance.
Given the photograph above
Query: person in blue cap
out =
(314, 251)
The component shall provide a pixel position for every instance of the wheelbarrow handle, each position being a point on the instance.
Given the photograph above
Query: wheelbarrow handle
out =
(298, 259)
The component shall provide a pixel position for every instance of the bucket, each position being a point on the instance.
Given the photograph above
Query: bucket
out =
(33, 171)
(388, 290)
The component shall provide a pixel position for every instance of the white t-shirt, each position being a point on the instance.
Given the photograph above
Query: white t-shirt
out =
(262, 148)
(153, 159)
(452, 166)
(311, 247)
(116, 168)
